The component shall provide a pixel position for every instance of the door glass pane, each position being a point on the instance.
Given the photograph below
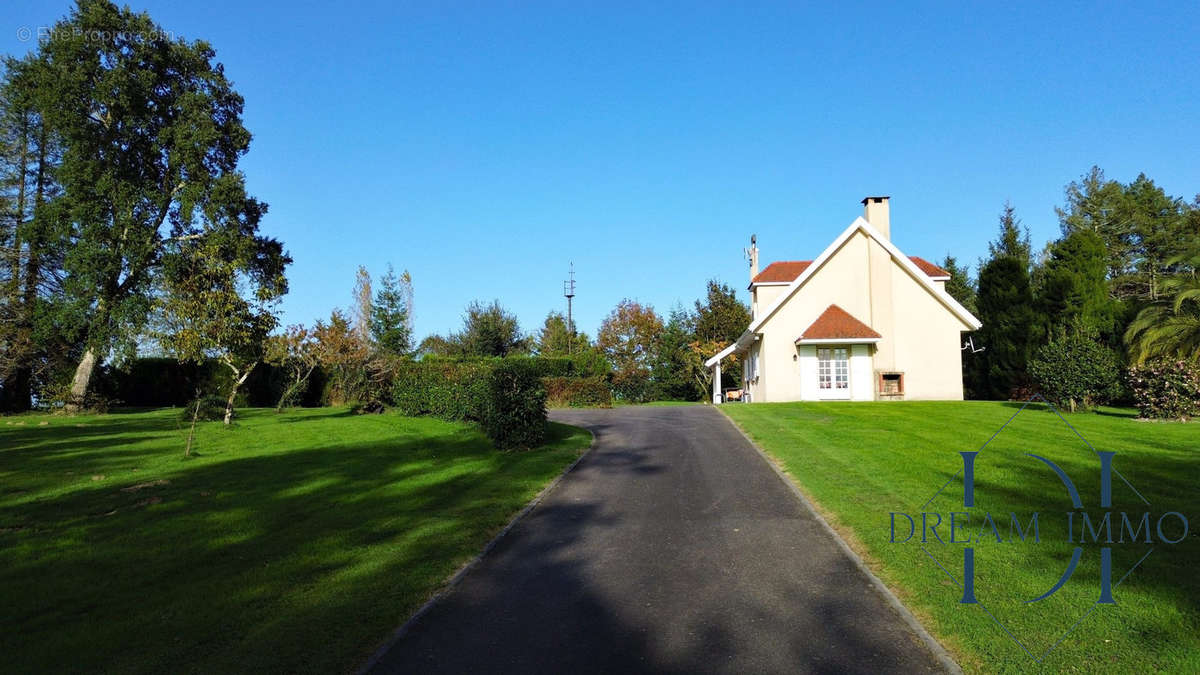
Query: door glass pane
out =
(841, 368)
(824, 369)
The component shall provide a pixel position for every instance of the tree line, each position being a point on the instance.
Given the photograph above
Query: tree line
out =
(1116, 289)
(648, 356)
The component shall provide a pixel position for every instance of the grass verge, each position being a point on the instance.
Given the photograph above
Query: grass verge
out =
(289, 543)
(862, 461)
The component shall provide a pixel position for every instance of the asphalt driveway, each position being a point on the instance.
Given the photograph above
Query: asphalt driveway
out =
(672, 547)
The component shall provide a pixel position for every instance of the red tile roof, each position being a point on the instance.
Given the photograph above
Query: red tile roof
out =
(836, 323)
(786, 271)
(928, 267)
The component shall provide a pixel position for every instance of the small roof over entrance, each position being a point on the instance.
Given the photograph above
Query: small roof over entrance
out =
(837, 325)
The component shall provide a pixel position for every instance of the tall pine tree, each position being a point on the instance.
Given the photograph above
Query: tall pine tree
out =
(1073, 293)
(389, 315)
(1005, 306)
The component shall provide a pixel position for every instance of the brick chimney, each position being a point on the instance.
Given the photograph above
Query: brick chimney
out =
(875, 212)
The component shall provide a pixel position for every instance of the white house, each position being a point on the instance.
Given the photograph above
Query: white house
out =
(861, 321)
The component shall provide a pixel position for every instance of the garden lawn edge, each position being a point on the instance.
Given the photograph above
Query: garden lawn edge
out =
(455, 578)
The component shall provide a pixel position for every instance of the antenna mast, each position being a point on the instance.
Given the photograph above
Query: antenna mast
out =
(569, 292)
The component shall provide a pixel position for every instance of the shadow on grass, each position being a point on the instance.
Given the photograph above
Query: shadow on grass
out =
(288, 561)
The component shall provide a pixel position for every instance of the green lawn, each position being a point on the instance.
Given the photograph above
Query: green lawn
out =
(861, 461)
(293, 542)
(652, 404)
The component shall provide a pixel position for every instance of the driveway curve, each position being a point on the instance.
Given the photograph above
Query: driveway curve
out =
(671, 547)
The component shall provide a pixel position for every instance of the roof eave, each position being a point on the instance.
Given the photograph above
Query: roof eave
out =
(838, 341)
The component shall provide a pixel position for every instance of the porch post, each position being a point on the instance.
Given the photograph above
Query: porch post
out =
(717, 382)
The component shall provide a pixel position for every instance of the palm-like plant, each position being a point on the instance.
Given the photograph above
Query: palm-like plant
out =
(1170, 328)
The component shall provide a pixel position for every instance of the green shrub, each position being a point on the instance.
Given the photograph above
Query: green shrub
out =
(1076, 371)
(1166, 389)
(514, 415)
(212, 409)
(577, 392)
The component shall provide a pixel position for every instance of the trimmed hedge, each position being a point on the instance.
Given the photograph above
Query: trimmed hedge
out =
(450, 390)
(514, 413)
(505, 396)
(587, 364)
(577, 392)
(1166, 389)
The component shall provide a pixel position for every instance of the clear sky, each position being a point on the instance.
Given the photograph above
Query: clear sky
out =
(483, 146)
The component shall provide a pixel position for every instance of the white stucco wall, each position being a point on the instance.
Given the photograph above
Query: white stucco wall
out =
(928, 342)
(920, 335)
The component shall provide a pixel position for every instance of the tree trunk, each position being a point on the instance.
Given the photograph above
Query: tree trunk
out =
(298, 381)
(20, 394)
(187, 452)
(18, 390)
(83, 377)
(239, 378)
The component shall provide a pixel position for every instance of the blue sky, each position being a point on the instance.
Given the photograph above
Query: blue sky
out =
(483, 146)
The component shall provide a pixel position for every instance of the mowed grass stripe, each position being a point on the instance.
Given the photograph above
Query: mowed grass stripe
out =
(289, 543)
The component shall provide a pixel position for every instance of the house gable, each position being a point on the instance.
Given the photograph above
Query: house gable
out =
(969, 322)
(868, 236)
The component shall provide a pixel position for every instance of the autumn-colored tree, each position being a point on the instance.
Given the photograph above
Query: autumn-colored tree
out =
(627, 336)
(698, 351)
(343, 356)
(297, 352)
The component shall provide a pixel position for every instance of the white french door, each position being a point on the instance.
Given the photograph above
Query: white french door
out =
(833, 372)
